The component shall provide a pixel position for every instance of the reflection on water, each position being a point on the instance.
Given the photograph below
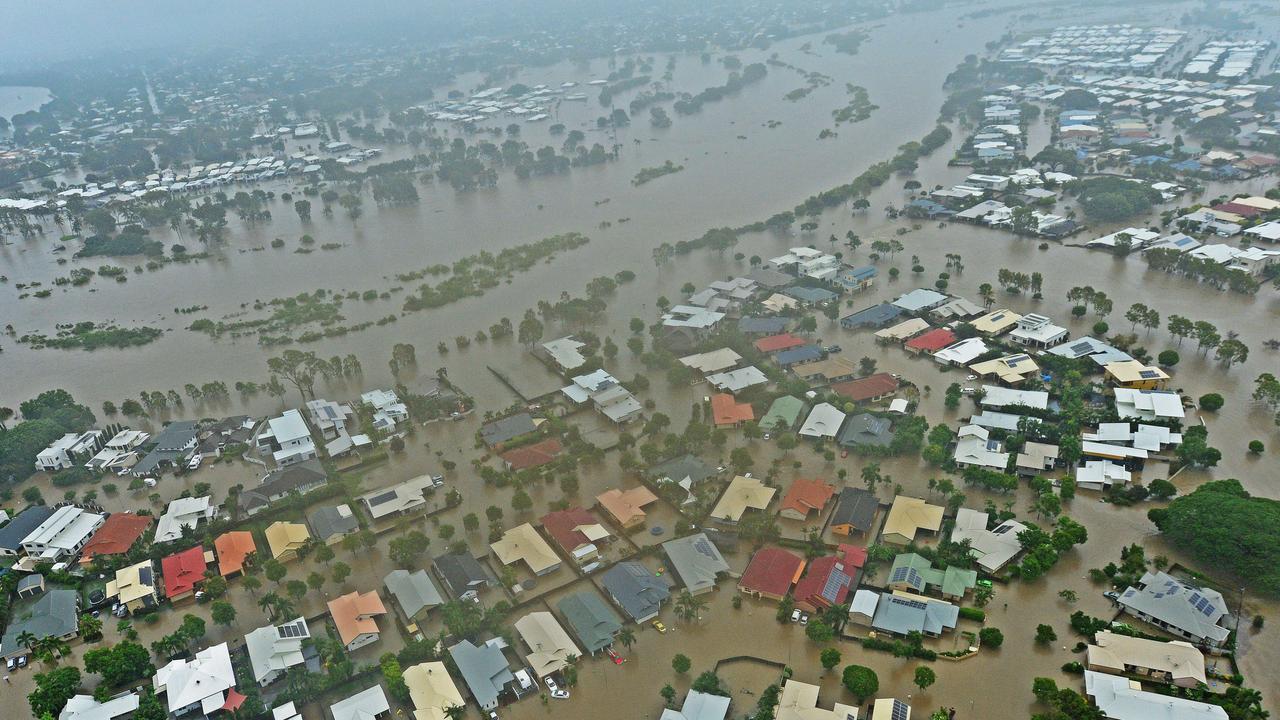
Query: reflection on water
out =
(17, 99)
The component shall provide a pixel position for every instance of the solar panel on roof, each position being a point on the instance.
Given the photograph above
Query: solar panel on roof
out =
(1148, 374)
(900, 711)
(144, 575)
(383, 497)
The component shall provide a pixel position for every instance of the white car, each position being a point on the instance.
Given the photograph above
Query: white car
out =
(195, 462)
(555, 690)
(795, 616)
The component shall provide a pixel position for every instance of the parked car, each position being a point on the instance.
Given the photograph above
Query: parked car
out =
(617, 659)
(12, 663)
(555, 690)
(657, 625)
(795, 616)
(195, 462)
(493, 715)
(804, 618)
(1111, 595)
(22, 661)
(437, 480)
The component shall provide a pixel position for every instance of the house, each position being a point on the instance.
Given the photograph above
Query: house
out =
(507, 429)
(696, 561)
(920, 300)
(996, 322)
(833, 369)
(735, 381)
(68, 451)
(61, 536)
(798, 356)
(828, 579)
(992, 549)
(728, 412)
(22, 525)
(286, 539)
(976, 448)
(591, 619)
(931, 342)
(713, 361)
(30, 585)
(116, 536)
(134, 587)
(205, 681)
(606, 394)
(890, 709)
(770, 574)
(388, 411)
(368, 704)
(576, 531)
(1148, 404)
(783, 414)
(1036, 457)
(536, 455)
(994, 396)
(908, 516)
(1038, 331)
(1010, 369)
(84, 707)
(565, 352)
(876, 316)
(432, 691)
(408, 496)
(55, 613)
(742, 494)
(522, 543)
(462, 574)
(182, 572)
(634, 588)
(778, 343)
(866, 429)
(961, 353)
(276, 648)
(824, 421)
(484, 669)
(355, 615)
(1189, 612)
(330, 419)
(1120, 698)
(903, 613)
(1101, 474)
(331, 523)
(799, 701)
(810, 296)
(956, 309)
(686, 325)
(414, 592)
(1135, 375)
(287, 438)
(1174, 663)
(803, 497)
(627, 506)
(298, 477)
(915, 574)
(903, 331)
(233, 548)
(699, 706)
(855, 512)
(687, 471)
(764, 325)
(184, 513)
(550, 647)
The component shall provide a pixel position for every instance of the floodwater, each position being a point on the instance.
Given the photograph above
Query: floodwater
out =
(727, 181)
(17, 99)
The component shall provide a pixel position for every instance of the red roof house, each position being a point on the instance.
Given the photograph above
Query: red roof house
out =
(181, 573)
(932, 341)
(576, 531)
(771, 573)
(726, 411)
(120, 531)
(828, 579)
(871, 387)
(1240, 209)
(531, 456)
(776, 343)
(805, 496)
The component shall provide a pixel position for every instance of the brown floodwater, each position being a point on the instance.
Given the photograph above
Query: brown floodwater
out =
(727, 181)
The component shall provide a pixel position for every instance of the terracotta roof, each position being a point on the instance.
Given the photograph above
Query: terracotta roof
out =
(183, 570)
(563, 525)
(535, 455)
(932, 341)
(626, 506)
(728, 411)
(771, 572)
(115, 537)
(232, 548)
(871, 386)
(354, 613)
(774, 343)
(805, 496)
(827, 581)
(1236, 208)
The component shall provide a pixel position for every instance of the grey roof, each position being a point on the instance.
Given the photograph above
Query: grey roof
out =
(866, 429)
(34, 580)
(500, 431)
(635, 588)
(53, 614)
(594, 622)
(1195, 611)
(328, 521)
(484, 670)
(855, 507)
(461, 572)
(901, 615)
(176, 435)
(413, 591)
(769, 325)
(768, 277)
(809, 294)
(686, 466)
(12, 535)
(299, 477)
(874, 316)
(920, 299)
(804, 353)
(696, 560)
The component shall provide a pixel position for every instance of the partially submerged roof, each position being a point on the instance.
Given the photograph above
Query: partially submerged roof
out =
(743, 493)
(413, 591)
(522, 543)
(431, 690)
(592, 620)
(696, 560)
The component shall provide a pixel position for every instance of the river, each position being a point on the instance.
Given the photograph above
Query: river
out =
(17, 99)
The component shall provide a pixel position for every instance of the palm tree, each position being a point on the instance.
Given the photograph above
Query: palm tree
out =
(90, 626)
(267, 603)
(27, 639)
(688, 607)
(455, 712)
(627, 637)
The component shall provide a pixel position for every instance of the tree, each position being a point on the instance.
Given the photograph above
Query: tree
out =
(275, 570)
(125, 662)
(298, 368)
(251, 583)
(627, 637)
(681, 663)
(521, 502)
(668, 694)
(829, 657)
(689, 607)
(925, 676)
(819, 631)
(222, 612)
(407, 549)
(1232, 351)
(1168, 358)
(53, 690)
(296, 589)
(991, 637)
(1045, 634)
(341, 571)
(709, 683)
(861, 681)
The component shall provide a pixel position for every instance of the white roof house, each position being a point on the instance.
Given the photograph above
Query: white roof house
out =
(288, 438)
(713, 361)
(201, 681)
(400, 498)
(739, 379)
(276, 648)
(919, 300)
(364, 705)
(186, 512)
(1120, 698)
(823, 421)
(1101, 474)
(62, 534)
(993, 549)
(61, 453)
(691, 316)
(84, 707)
(1192, 613)
(698, 706)
(1148, 404)
(975, 448)
(962, 352)
(1038, 331)
(607, 394)
(565, 352)
(387, 408)
(999, 397)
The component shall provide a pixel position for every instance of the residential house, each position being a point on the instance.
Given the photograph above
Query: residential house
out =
(414, 592)
(634, 588)
(368, 704)
(828, 579)
(565, 352)
(182, 572)
(699, 706)
(1192, 613)
(507, 429)
(233, 549)
(287, 438)
(931, 342)
(298, 477)
(824, 421)
(799, 701)
(462, 574)
(782, 414)
(550, 647)
(992, 549)
(1038, 331)
(355, 615)
(764, 325)
(171, 448)
(686, 471)
(909, 516)
(1120, 698)
(805, 496)
(920, 300)
(961, 353)
(577, 532)
(994, 396)
(591, 619)
(1036, 457)
(1101, 474)
(696, 561)
(1010, 369)
(116, 536)
(770, 574)
(778, 343)
(61, 536)
(68, 451)
(833, 369)
(626, 507)
(857, 279)
(798, 356)
(996, 322)
(276, 648)
(743, 493)
(1135, 375)
(330, 419)
(686, 325)
(330, 523)
(976, 448)
(728, 412)
(901, 614)
(205, 681)
(890, 709)
(871, 388)
(876, 316)
(54, 613)
(388, 411)
(1148, 404)
(1174, 663)
(484, 669)
(607, 394)
(866, 429)
(22, 525)
(184, 513)
(526, 457)
(713, 361)
(855, 512)
(915, 574)
(286, 539)
(432, 691)
(522, 543)
(735, 381)
(30, 586)
(85, 707)
(408, 496)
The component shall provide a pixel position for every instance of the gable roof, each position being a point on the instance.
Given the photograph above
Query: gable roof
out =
(866, 429)
(205, 678)
(413, 591)
(867, 388)
(17, 529)
(932, 341)
(725, 410)
(1195, 611)
(523, 543)
(354, 614)
(52, 614)
(573, 528)
(531, 456)
(183, 570)
(276, 648)
(364, 705)
(771, 572)
(500, 431)
(775, 343)
(627, 506)
(828, 579)
(232, 548)
(484, 669)
(120, 531)
(331, 520)
(549, 645)
(635, 588)
(807, 495)
(855, 507)
(1117, 698)
(696, 560)
(742, 493)
(592, 620)
(460, 571)
(907, 515)
(785, 409)
(283, 537)
(699, 706)
(432, 690)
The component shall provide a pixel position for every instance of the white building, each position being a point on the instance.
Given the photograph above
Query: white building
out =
(1120, 698)
(200, 682)
(975, 448)
(824, 421)
(276, 648)
(364, 705)
(608, 396)
(182, 513)
(1037, 331)
(329, 418)
(388, 411)
(63, 534)
(119, 450)
(288, 439)
(67, 450)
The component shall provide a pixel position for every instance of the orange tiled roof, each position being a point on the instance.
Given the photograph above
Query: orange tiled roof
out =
(805, 496)
(354, 613)
(727, 411)
(233, 548)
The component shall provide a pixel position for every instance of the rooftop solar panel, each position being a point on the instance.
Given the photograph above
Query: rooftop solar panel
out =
(383, 497)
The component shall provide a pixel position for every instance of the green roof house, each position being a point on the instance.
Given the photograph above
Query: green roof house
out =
(785, 410)
(915, 574)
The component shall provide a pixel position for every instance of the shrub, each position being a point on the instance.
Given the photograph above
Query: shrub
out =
(991, 637)
(1212, 402)
(1256, 447)
(973, 613)
(861, 681)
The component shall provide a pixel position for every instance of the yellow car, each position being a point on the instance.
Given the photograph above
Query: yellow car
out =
(657, 625)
